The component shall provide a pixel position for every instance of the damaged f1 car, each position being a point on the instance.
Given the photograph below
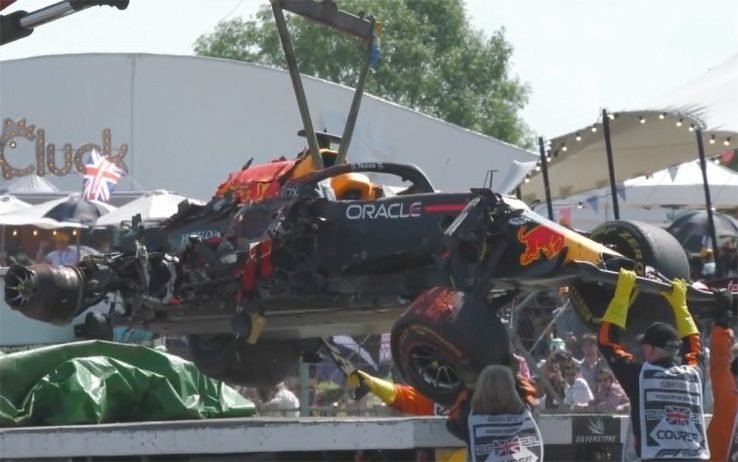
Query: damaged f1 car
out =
(312, 247)
(308, 253)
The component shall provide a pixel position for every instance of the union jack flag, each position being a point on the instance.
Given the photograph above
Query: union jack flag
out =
(677, 415)
(507, 447)
(100, 177)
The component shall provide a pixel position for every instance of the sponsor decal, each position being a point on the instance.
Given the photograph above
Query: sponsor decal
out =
(539, 240)
(678, 435)
(203, 235)
(391, 211)
(368, 166)
(685, 453)
(595, 430)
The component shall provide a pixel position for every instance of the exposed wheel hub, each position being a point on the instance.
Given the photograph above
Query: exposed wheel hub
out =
(434, 368)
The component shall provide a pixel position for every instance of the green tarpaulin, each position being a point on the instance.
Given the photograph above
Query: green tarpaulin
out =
(96, 381)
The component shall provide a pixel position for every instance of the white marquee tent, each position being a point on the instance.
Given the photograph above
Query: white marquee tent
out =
(653, 198)
(153, 206)
(9, 203)
(682, 185)
(32, 184)
(645, 139)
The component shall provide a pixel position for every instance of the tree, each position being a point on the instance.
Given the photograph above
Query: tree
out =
(431, 60)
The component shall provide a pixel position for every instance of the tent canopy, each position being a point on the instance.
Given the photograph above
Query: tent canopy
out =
(682, 185)
(652, 198)
(153, 206)
(31, 184)
(10, 203)
(657, 135)
(37, 214)
(678, 186)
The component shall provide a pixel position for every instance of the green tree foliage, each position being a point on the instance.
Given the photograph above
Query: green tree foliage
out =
(431, 60)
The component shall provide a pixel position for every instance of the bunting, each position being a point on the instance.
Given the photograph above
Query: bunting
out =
(594, 202)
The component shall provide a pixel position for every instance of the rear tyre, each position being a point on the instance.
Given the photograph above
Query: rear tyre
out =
(443, 340)
(233, 360)
(648, 246)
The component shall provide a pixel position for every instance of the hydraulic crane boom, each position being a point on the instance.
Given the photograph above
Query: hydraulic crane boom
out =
(20, 24)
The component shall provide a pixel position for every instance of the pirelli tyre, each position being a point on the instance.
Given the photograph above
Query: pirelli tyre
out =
(232, 359)
(649, 246)
(442, 341)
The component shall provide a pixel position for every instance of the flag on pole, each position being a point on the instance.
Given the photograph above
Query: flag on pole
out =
(100, 177)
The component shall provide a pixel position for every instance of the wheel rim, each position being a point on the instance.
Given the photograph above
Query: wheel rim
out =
(433, 368)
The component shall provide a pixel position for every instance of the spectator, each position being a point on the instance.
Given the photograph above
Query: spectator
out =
(578, 394)
(63, 253)
(695, 268)
(552, 398)
(573, 346)
(729, 258)
(557, 344)
(282, 402)
(610, 396)
(592, 363)
(708, 267)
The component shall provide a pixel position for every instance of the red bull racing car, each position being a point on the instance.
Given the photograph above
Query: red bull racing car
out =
(303, 253)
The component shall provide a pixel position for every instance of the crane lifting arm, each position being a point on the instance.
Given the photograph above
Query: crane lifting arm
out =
(20, 24)
(326, 12)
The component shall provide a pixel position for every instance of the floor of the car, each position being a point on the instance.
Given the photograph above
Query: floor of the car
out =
(287, 324)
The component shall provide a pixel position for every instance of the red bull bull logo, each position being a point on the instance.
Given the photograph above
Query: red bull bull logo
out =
(539, 240)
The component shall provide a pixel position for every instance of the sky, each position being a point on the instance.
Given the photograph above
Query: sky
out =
(577, 56)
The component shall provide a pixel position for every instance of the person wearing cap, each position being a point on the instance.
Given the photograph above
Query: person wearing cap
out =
(63, 253)
(667, 413)
(722, 433)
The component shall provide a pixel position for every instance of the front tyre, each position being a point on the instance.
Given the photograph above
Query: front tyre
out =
(443, 340)
(648, 246)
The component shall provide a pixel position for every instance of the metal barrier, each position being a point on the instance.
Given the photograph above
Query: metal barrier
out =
(567, 437)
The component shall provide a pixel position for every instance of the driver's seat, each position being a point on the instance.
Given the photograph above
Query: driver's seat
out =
(352, 186)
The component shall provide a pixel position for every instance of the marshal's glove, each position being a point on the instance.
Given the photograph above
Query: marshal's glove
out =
(677, 298)
(385, 390)
(617, 309)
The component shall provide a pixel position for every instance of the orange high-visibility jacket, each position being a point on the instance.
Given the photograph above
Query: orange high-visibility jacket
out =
(719, 432)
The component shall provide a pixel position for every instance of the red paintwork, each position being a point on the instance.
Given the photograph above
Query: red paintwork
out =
(258, 182)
